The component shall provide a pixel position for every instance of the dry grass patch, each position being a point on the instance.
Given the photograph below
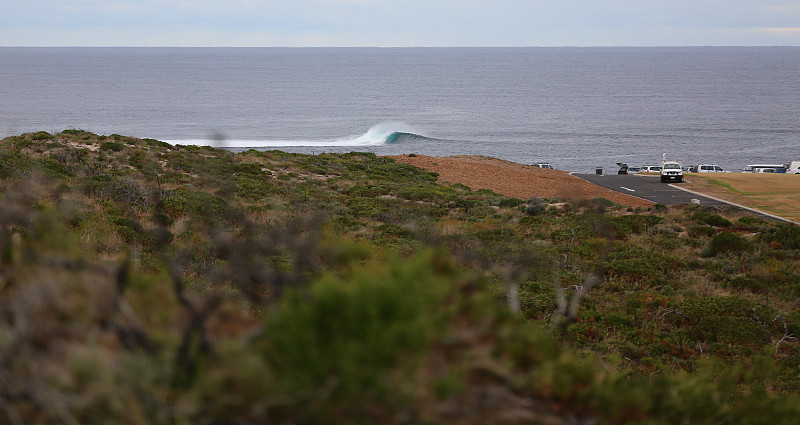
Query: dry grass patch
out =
(777, 194)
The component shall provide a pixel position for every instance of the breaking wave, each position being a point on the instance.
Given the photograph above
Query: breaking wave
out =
(388, 133)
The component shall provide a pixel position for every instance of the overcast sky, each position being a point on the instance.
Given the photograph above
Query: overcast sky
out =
(399, 23)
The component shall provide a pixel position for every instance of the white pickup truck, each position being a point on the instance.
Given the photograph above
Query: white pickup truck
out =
(671, 171)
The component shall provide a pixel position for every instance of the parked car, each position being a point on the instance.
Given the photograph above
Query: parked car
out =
(542, 165)
(623, 168)
(633, 170)
(765, 168)
(708, 168)
(650, 169)
(793, 167)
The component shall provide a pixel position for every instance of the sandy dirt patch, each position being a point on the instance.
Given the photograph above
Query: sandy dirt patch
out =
(515, 180)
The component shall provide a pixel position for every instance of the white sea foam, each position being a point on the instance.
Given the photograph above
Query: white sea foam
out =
(377, 135)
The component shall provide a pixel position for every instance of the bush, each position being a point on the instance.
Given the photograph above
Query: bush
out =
(711, 219)
(537, 299)
(534, 206)
(510, 202)
(356, 331)
(429, 193)
(701, 231)
(393, 231)
(788, 236)
(744, 283)
(183, 202)
(793, 322)
(727, 242)
(131, 230)
(112, 146)
(42, 135)
(636, 224)
(54, 168)
(157, 143)
(632, 263)
(750, 220)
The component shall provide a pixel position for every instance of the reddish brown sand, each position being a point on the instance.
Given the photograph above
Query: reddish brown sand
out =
(515, 180)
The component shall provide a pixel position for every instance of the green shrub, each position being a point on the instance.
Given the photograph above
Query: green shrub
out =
(701, 231)
(356, 331)
(793, 322)
(370, 191)
(537, 299)
(727, 242)
(747, 283)
(112, 146)
(131, 230)
(75, 132)
(430, 193)
(788, 236)
(494, 235)
(731, 330)
(730, 320)
(360, 208)
(184, 202)
(157, 143)
(632, 263)
(534, 206)
(634, 224)
(699, 307)
(179, 162)
(253, 169)
(42, 135)
(137, 159)
(254, 188)
(53, 168)
(750, 220)
(510, 202)
(711, 219)
(393, 231)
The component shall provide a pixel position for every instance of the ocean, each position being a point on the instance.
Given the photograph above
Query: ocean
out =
(577, 108)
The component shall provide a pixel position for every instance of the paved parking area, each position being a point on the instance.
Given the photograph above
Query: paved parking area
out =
(648, 187)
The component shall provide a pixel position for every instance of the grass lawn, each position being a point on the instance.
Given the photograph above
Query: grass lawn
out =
(777, 194)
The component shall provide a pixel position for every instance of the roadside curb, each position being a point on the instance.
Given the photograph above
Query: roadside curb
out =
(738, 205)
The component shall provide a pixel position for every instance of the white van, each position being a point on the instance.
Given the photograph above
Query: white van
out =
(650, 169)
(765, 168)
(793, 167)
(709, 168)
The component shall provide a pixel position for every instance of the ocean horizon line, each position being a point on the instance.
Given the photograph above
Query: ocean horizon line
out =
(633, 47)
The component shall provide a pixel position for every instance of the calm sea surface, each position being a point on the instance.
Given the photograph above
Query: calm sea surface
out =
(577, 108)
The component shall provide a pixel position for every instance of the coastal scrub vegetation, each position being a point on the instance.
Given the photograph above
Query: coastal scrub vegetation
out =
(145, 283)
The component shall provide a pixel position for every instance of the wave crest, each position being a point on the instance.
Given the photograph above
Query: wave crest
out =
(386, 133)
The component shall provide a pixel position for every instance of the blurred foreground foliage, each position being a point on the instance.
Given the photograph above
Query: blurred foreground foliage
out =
(144, 283)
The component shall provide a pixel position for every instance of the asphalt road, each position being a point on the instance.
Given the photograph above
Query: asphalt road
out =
(647, 187)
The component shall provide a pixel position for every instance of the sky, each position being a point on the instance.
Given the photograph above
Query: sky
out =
(392, 23)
